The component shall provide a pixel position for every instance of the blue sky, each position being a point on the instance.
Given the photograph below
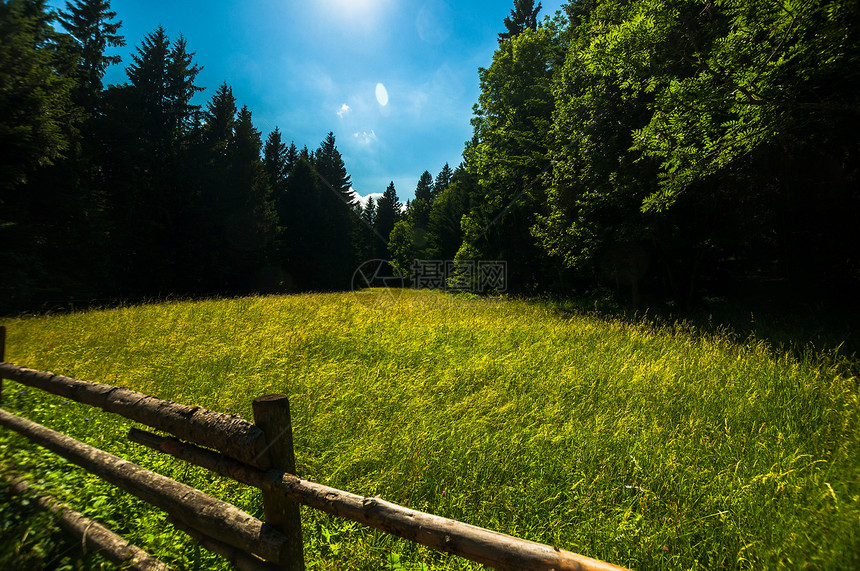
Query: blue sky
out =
(316, 66)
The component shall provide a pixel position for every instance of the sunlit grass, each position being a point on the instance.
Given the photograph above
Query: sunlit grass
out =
(643, 446)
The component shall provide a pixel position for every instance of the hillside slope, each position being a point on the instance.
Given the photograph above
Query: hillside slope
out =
(649, 447)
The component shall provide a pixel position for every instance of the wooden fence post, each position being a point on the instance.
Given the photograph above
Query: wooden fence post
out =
(2, 357)
(272, 415)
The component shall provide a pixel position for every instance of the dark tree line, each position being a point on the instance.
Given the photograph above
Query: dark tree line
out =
(657, 149)
(134, 191)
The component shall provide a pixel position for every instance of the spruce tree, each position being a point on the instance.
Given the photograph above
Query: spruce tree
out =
(337, 219)
(275, 161)
(181, 73)
(419, 209)
(277, 164)
(388, 213)
(251, 222)
(368, 214)
(365, 241)
(220, 120)
(35, 84)
(292, 157)
(90, 23)
(214, 203)
(147, 166)
(443, 179)
(303, 236)
(523, 17)
(424, 189)
(38, 127)
(148, 76)
(508, 155)
(75, 187)
(332, 171)
(162, 75)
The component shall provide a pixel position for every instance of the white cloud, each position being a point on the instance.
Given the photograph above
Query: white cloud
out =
(344, 109)
(365, 138)
(363, 199)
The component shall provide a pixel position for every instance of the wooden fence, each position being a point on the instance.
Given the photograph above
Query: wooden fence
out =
(258, 454)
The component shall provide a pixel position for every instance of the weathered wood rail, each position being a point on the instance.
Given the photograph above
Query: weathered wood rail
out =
(94, 536)
(259, 455)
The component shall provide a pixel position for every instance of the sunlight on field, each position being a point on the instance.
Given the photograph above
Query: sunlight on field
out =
(643, 446)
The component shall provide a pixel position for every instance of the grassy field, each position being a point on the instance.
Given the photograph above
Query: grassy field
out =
(649, 447)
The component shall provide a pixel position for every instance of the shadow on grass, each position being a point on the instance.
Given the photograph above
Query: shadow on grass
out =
(821, 327)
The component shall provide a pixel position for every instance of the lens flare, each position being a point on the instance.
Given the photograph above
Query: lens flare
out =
(381, 94)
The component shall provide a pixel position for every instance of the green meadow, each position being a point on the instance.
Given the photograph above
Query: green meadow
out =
(648, 446)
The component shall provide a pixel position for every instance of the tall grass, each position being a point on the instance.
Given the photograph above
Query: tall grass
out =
(650, 447)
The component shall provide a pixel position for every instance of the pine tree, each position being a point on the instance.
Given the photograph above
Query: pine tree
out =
(147, 166)
(181, 73)
(163, 76)
(365, 236)
(220, 120)
(303, 236)
(74, 188)
(419, 210)
(388, 213)
(276, 163)
(292, 157)
(337, 219)
(523, 17)
(332, 171)
(251, 222)
(34, 91)
(214, 180)
(89, 22)
(443, 179)
(38, 127)
(368, 213)
(148, 76)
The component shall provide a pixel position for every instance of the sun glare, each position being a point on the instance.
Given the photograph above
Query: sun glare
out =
(365, 10)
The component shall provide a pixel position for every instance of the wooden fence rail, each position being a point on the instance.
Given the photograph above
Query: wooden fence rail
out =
(212, 516)
(259, 455)
(94, 536)
(227, 433)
